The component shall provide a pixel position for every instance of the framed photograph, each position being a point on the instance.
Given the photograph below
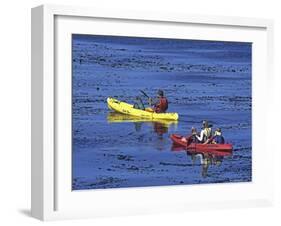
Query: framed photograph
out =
(137, 112)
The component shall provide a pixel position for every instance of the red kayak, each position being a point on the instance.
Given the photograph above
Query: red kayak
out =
(177, 139)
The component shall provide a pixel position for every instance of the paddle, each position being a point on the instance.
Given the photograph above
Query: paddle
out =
(144, 93)
(149, 99)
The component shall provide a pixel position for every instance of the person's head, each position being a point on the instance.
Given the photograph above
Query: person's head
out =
(193, 130)
(160, 93)
(218, 132)
(205, 124)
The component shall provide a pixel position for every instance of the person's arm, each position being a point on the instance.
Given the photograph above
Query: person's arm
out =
(209, 141)
(200, 138)
(152, 101)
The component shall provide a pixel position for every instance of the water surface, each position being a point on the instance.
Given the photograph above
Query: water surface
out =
(202, 80)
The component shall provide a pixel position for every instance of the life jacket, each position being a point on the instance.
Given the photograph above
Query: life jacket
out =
(162, 105)
(207, 133)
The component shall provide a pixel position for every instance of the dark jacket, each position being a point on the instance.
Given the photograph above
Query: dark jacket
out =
(219, 139)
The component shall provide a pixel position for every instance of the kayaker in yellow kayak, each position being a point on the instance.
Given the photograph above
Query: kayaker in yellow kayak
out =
(160, 105)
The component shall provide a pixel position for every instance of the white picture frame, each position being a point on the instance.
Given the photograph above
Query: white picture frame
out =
(52, 197)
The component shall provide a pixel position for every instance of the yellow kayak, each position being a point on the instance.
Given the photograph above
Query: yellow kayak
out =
(148, 113)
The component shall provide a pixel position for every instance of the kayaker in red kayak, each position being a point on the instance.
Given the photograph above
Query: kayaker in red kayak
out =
(205, 134)
(191, 138)
(218, 137)
(161, 103)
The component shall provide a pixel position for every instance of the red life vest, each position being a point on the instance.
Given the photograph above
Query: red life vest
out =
(162, 105)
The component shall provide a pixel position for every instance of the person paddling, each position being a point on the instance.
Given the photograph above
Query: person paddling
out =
(161, 104)
(205, 133)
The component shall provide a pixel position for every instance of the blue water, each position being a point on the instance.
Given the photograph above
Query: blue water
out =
(201, 79)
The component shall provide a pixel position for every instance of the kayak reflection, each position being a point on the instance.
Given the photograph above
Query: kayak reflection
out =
(160, 127)
(205, 159)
